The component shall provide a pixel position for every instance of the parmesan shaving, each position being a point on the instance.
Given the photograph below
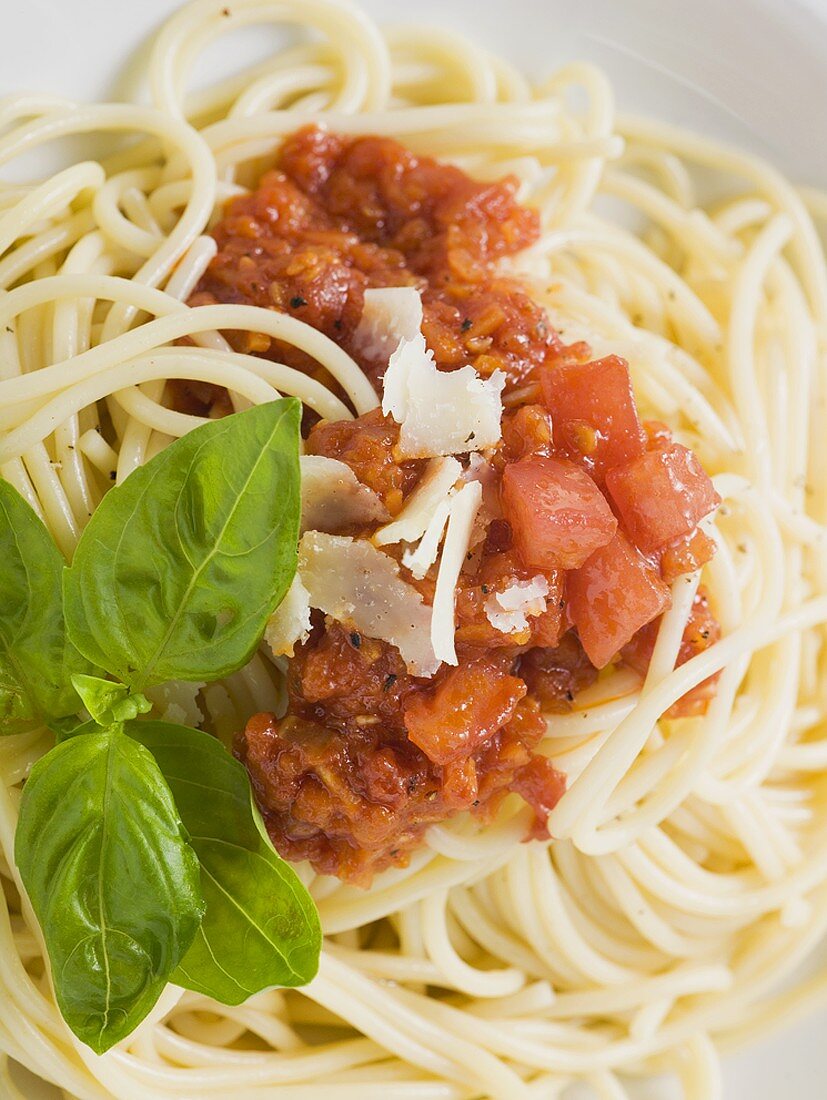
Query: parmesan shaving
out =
(420, 560)
(440, 412)
(509, 611)
(480, 469)
(176, 701)
(390, 314)
(422, 505)
(333, 497)
(290, 622)
(352, 581)
(463, 512)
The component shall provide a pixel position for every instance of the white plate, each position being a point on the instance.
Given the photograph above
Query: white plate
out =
(751, 71)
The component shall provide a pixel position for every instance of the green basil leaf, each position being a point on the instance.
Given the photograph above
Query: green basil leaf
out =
(112, 879)
(108, 702)
(181, 566)
(64, 728)
(261, 928)
(36, 661)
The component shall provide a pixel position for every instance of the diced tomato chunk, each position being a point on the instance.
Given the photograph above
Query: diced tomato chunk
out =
(657, 434)
(702, 630)
(526, 431)
(662, 495)
(686, 555)
(542, 787)
(470, 704)
(594, 413)
(557, 514)
(548, 628)
(612, 596)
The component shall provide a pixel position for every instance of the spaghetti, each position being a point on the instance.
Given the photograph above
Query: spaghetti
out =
(689, 874)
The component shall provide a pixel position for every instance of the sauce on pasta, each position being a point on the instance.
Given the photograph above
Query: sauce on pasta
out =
(368, 756)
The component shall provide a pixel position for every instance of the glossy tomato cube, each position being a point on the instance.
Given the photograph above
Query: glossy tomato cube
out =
(702, 631)
(542, 787)
(612, 596)
(558, 516)
(467, 706)
(593, 412)
(686, 555)
(662, 495)
(548, 628)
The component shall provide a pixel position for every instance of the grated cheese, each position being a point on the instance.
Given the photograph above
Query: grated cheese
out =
(352, 581)
(333, 497)
(440, 412)
(510, 610)
(422, 505)
(390, 314)
(290, 622)
(463, 512)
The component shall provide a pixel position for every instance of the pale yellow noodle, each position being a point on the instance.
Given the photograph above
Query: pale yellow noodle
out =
(689, 877)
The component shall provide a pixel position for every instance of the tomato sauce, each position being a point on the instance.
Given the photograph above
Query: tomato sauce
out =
(340, 215)
(600, 509)
(368, 756)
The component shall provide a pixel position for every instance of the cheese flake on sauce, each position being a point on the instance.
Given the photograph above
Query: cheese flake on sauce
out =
(510, 610)
(333, 497)
(440, 412)
(433, 489)
(290, 622)
(389, 314)
(463, 512)
(420, 559)
(354, 582)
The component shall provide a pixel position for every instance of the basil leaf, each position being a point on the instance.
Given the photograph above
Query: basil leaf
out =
(261, 928)
(108, 702)
(181, 566)
(111, 877)
(64, 728)
(36, 661)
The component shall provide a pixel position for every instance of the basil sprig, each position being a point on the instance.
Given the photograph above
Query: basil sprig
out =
(138, 841)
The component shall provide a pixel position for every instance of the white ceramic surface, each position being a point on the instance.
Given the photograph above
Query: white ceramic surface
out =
(751, 71)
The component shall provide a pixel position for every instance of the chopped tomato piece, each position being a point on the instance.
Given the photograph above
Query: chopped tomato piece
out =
(612, 596)
(542, 787)
(504, 754)
(466, 707)
(686, 555)
(594, 413)
(658, 435)
(526, 431)
(662, 495)
(557, 514)
(695, 703)
(702, 630)
(548, 628)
